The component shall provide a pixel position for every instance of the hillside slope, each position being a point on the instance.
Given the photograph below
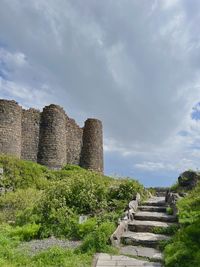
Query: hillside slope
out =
(36, 203)
(184, 249)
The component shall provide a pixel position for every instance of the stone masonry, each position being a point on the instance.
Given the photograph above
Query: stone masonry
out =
(74, 142)
(92, 151)
(52, 141)
(50, 137)
(30, 134)
(10, 127)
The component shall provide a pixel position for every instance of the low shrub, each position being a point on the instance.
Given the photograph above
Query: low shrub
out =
(58, 220)
(125, 189)
(41, 203)
(87, 227)
(26, 232)
(98, 239)
(184, 249)
(17, 206)
(189, 207)
(21, 233)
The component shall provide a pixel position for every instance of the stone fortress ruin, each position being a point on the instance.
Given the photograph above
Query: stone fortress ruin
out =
(50, 137)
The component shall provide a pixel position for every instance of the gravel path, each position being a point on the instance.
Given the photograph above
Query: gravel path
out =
(35, 246)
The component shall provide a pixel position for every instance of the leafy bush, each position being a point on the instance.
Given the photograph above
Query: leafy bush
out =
(87, 227)
(41, 203)
(18, 206)
(111, 216)
(125, 189)
(190, 207)
(81, 192)
(98, 239)
(56, 218)
(26, 232)
(184, 249)
(63, 201)
(22, 233)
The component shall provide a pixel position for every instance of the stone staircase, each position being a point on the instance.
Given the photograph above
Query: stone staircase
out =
(140, 243)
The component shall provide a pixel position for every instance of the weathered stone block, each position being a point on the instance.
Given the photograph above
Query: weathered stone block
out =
(189, 179)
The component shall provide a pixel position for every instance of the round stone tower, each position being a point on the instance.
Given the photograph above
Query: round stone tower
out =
(52, 140)
(10, 128)
(92, 149)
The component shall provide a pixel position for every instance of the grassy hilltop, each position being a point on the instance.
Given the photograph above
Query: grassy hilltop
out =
(37, 203)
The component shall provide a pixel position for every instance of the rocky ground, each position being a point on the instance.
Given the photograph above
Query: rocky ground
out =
(35, 246)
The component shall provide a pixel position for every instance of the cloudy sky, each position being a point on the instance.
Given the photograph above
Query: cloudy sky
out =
(134, 64)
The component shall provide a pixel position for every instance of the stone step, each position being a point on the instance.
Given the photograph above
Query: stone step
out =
(161, 194)
(138, 251)
(152, 208)
(106, 260)
(154, 216)
(146, 226)
(155, 201)
(143, 239)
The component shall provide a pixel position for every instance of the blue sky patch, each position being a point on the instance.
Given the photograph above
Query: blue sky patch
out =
(195, 115)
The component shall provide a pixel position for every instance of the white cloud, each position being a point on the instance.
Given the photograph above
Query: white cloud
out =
(13, 60)
(134, 65)
(25, 94)
(154, 166)
(169, 3)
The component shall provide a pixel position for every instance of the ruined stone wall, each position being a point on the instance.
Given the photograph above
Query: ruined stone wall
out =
(92, 150)
(30, 134)
(52, 140)
(10, 128)
(73, 142)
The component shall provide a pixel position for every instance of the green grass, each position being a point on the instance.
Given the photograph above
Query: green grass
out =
(169, 211)
(184, 249)
(40, 203)
(55, 256)
(171, 230)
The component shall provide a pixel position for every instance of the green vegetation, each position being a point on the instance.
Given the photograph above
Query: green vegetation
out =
(175, 187)
(39, 203)
(184, 249)
(169, 211)
(171, 230)
(11, 256)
